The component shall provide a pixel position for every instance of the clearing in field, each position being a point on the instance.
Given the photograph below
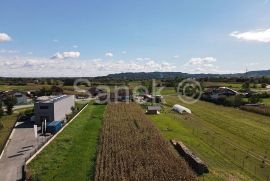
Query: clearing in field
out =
(233, 143)
(131, 148)
(71, 156)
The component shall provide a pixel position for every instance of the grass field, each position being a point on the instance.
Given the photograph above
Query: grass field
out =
(234, 143)
(8, 122)
(222, 84)
(266, 101)
(168, 90)
(72, 154)
(133, 149)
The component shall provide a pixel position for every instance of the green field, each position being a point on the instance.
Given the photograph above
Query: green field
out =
(266, 101)
(72, 154)
(222, 84)
(233, 143)
(168, 90)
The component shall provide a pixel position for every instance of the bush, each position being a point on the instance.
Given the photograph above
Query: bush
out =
(1, 125)
(9, 102)
(261, 109)
(232, 101)
(255, 98)
(263, 85)
(1, 111)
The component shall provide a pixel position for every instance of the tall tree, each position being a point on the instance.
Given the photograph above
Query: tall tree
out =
(9, 102)
(1, 109)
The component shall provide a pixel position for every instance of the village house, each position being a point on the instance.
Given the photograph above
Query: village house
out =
(215, 93)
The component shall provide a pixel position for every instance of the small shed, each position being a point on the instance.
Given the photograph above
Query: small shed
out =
(153, 109)
(181, 109)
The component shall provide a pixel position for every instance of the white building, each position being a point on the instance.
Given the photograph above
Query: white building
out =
(53, 108)
(20, 97)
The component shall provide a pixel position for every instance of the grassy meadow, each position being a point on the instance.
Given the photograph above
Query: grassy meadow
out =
(266, 101)
(72, 154)
(235, 144)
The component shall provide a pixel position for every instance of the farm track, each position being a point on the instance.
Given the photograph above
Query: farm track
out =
(131, 148)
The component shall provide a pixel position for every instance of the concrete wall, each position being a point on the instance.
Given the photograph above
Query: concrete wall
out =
(63, 107)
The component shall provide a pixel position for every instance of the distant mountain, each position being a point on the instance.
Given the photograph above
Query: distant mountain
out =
(147, 75)
(259, 73)
(164, 75)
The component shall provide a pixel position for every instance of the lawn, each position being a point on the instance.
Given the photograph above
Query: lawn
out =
(266, 101)
(72, 154)
(222, 84)
(168, 90)
(8, 122)
(233, 143)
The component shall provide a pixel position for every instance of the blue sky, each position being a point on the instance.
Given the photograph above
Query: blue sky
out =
(98, 37)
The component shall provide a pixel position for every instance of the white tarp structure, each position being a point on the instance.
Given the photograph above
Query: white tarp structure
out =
(181, 109)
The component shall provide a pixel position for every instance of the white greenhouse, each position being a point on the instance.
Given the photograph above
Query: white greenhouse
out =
(181, 109)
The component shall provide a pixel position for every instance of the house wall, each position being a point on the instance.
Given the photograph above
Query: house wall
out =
(41, 113)
(21, 98)
(63, 107)
(152, 111)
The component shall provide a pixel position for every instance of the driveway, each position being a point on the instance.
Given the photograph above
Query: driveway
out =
(20, 145)
(16, 107)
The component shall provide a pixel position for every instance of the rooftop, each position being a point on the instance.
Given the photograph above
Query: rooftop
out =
(153, 108)
(50, 99)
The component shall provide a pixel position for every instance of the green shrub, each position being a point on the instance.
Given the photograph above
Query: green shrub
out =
(254, 99)
(1, 125)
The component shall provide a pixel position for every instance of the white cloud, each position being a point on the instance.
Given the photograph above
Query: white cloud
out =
(30, 67)
(176, 56)
(260, 35)
(143, 59)
(201, 65)
(206, 61)
(9, 51)
(109, 54)
(65, 55)
(4, 37)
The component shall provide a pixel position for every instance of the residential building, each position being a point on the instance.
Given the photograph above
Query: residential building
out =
(20, 97)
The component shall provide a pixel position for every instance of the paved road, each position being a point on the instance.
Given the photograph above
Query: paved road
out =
(16, 107)
(21, 144)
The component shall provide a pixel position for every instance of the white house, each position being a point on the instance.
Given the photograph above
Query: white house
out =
(20, 97)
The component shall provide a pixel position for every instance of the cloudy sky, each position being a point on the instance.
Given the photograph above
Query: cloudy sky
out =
(98, 37)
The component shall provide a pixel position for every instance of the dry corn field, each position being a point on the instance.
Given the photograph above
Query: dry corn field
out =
(131, 148)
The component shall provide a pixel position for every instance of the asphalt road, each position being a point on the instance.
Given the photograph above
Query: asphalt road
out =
(22, 143)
